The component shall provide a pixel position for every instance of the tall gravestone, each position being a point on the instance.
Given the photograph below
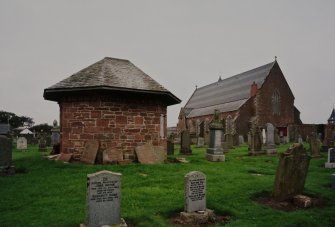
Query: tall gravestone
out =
(103, 199)
(270, 139)
(277, 137)
(55, 138)
(314, 145)
(21, 143)
(256, 141)
(185, 143)
(6, 156)
(170, 145)
(215, 150)
(291, 173)
(90, 152)
(331, 158)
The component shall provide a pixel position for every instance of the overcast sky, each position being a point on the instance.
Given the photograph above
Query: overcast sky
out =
(180, 44)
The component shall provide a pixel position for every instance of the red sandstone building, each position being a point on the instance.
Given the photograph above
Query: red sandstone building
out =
(114, 102)
(261, 95)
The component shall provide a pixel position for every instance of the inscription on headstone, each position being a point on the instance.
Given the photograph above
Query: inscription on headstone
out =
(195, 191)
(103, 199)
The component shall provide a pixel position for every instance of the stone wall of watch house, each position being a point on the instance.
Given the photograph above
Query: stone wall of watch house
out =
(122, 123)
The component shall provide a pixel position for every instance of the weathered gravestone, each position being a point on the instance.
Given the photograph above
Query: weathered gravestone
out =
(300, 139)
(111, 156)
(255, 147)
(277, 137)
(103, 199)
(21, 143)
(235, 140)
(149, 154)
(185, 143)
(200, 141)
(315, 146)
(170, 145)
(270, 139)
(291, 173)
(89, 154)
(215, 151)
(241, 140)
(55, 138)
(6, 156)
(229, 141)
(42, 145)
(195, 211)
(331, 158)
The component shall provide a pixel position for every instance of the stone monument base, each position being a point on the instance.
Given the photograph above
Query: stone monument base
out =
(330, 165)
(197, 217)
(7, 170)
(122, 224)
(215, 157)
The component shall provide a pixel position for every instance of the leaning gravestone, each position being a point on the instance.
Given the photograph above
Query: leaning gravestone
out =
(21, 143)
(111, 156)
(270, 139)
(291, 173)
(215, 151)
(6, 156)
(149, 154)
(89, 155)
(195, 211)
(185, 143)
(103, 199)
(331, 158)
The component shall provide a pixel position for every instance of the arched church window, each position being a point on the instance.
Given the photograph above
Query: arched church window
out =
(276, 102)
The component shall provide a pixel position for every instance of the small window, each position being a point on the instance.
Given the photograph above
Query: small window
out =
(276, 102)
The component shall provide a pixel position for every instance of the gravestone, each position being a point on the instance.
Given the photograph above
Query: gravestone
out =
(195, 192)
(64, 157)
(195, 211)
(331, 158)
(235, 140)
(103, 199)
(277, 137)
(149, 154)
(185, 143)
(42, 145)
(300, 139)
(200, 142)
(270, 139)
(89, 154)
(6, 156)
(111, 156)
(291, 173)
(170, 145)
(229, 140)
(55, 138)
(241, 140)
(264, 136)
(255, 147)
(21, 143)
(215, 151)
(315, 146)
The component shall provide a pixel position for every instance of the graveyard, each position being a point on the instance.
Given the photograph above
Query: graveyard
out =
(53, 193)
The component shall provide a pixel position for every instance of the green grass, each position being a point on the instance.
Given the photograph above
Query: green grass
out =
(50, 193)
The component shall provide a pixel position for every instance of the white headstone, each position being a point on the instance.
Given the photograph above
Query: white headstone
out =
(195, 191)
(103, 199)
(21, 143)
(331, 158)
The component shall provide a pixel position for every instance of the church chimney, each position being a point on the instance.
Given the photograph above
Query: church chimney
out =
(253, 89)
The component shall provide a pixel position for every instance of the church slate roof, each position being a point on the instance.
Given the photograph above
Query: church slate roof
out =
(228, 94)
(110, 74)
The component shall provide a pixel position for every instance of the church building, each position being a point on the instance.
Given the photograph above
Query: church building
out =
(260, 95)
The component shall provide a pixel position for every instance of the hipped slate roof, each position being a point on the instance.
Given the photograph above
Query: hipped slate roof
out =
(228, 94)
(110, 74)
